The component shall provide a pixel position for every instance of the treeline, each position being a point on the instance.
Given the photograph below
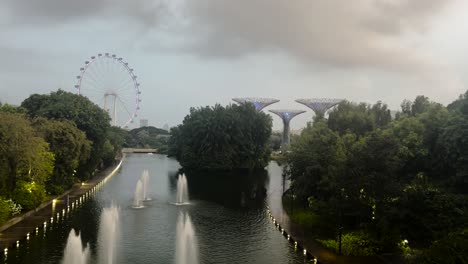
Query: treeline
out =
(49, 143)
(389, 184)
(147, 137)
(222, 138)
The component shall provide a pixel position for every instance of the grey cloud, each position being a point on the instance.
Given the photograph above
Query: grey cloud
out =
(59, 11)
(358, 33)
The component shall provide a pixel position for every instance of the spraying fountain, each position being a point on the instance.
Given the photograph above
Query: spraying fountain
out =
(182, 190)
(138, 197)
(145, 181)
(108, 235)
(74, 252)
(186, 243)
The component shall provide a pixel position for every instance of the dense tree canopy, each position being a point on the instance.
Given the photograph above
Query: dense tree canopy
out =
(148, 137)
(70, 148)
(87, 116)
(48, 144)
(23, 156)
(405, 178)
(222, 138)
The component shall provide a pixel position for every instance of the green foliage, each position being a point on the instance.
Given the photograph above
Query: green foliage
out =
(313, 160)
(29, 195)
(452, 249)
(6, 108)
(4, 211)
(69, 146)
(22, 154)
(398, 179)
(358, 119)
(87, 116)
(148, 137)
(354, 244)
(222, 138)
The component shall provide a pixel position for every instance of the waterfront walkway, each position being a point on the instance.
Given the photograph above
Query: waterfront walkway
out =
(321, 253)
(18, 229)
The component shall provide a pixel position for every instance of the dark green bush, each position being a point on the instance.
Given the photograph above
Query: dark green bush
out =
(4, 211)
(354, 244)
(29, 195)
(453, 249)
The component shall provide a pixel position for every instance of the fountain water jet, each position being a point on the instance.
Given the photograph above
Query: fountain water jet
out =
(182, 190)
(186, 242)
(145, 181)
(109, 234)
(138, 197)
(74, 252)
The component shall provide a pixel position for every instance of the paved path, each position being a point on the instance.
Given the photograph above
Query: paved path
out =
(53, 210)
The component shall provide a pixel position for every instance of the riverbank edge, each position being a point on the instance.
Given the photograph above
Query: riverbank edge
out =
(316, 249)
(103, 176)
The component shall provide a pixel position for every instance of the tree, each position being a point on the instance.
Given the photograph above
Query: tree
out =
(87, 116)
(20, 158)
(314, 162)
(70, 147)
(358, 119)
(222, 138)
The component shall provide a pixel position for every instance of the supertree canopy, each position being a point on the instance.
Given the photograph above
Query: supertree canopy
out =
(258, 102)
(319, 105)
(286, 116)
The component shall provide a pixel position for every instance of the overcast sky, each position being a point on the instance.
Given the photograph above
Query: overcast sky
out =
(202, 52)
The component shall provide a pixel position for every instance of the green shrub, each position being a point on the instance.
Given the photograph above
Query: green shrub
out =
(354, 244)
(55, 189)
(29, 195)
(453, 249)
(4, 211)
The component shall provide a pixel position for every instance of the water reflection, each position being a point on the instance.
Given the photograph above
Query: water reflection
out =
(230, 189)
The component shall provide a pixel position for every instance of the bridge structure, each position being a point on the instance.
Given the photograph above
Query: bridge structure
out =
(139, 150)
(258, 102)
(319, 105)
(286, 115)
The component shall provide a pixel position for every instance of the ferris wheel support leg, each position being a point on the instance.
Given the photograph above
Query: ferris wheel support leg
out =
(115, 110)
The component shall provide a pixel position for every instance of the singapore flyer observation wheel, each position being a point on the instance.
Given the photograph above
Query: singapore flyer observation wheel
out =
(110, 82)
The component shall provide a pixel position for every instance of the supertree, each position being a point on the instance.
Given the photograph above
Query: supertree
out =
(319, 105)
(286, 116)
(258, 102)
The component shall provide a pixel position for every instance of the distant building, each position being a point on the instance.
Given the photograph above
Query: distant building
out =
(143, 122)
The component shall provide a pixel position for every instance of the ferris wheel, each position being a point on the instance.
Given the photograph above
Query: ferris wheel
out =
(110, 82)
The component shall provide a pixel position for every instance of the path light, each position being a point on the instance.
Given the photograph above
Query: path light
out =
(295, 245)
(305, 252)
(17, 243)
(289, 237)
(27, 236)
(314, 260)
(6, 251)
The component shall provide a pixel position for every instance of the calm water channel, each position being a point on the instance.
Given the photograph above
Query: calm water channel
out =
(227, 212)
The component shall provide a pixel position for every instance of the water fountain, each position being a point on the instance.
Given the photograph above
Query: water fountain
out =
(186, 243)
(145, 181)
(182, 190)
(138, 197)
(74, 252)
(109, 233)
